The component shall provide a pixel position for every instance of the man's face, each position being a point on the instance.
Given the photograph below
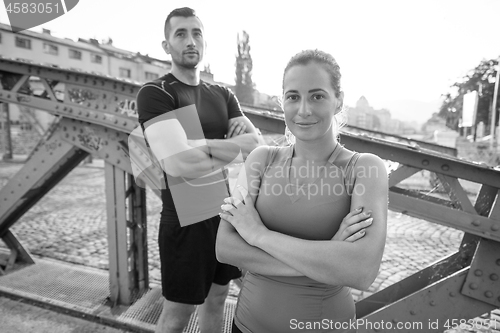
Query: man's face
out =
(185, 43)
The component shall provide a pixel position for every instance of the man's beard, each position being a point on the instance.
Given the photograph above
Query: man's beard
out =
(187, 64)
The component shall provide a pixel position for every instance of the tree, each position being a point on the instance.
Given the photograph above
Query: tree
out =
(244, 86)
(479, 79)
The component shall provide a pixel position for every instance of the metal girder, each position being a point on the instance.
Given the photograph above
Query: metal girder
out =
(270, 124)
(116, 118)
(100, 111)
(106, 143)
(401, 173)
(138, 227)
(49, 164)
(113, 147)
(120, 285)
(428, 160)
(393, 137)
(471, 223)
(456, 193)
(22, 80)
(69, 75)
(431, 309)
(483, 282)
(128, 264)
(414, 282)
(17, 251)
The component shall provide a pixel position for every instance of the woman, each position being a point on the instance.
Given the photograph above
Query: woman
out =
(290, 232)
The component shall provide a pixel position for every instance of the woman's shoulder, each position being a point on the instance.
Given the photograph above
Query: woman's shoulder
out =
(264, 152)
(371, 167)
(263, 156)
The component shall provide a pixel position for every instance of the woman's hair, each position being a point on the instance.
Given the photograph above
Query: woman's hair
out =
(317, 56)
(333, 69)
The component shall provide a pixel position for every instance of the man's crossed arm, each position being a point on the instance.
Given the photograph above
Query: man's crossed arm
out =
(179, 156)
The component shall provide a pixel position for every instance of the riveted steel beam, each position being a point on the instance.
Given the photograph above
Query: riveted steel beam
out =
(397, 138)
(137, 216)
(428, 160)
(270, 124)
(121, 287)
(98, 81)
(401, 173)
(456, 193)
(119, 117)
(414, 282)
(17, 251)
(127, 239)
(431, 309)
(49, 164)
(104, 142)
(483, 280)
(458, 219)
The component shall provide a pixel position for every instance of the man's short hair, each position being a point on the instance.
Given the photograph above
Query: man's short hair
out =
(184, 12)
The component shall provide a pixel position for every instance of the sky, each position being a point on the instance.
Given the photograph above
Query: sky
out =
(401, 55)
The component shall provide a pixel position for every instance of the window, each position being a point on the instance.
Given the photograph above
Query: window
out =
(50, 49)
(95, 58)
(124, 72)
(151, 76)
(23, 43)
(74, 54)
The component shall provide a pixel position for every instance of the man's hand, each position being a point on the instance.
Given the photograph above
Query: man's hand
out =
(236, 128)
(353, 226)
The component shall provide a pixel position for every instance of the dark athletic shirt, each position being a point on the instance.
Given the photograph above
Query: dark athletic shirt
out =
(214, 103)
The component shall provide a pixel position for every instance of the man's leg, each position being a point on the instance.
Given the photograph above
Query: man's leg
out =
(211, 313)
(174, 317)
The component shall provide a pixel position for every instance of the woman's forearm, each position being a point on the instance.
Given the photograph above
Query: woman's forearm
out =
(331, 262)
(232, 249)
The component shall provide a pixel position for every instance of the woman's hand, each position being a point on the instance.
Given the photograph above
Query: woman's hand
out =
(243, 217)
(353, 226)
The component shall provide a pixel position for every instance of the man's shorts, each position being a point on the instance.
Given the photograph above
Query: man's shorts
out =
(188, 262)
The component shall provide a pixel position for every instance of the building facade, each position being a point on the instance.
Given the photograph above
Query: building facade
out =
(82, 55)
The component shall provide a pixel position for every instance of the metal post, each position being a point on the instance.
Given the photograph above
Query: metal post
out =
(8, 138)
(127, 236)
(494, 108)
(119, 276)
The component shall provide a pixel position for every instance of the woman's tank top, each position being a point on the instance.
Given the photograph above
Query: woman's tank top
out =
(314, 211)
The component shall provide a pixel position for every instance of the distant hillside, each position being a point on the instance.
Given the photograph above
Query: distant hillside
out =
(410, 110)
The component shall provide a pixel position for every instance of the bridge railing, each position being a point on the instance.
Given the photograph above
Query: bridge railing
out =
(97, 115)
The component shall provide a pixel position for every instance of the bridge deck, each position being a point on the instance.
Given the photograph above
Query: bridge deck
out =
(83, 291)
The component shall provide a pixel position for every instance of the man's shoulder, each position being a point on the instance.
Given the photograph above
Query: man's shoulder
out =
(162, 86)
(216, 87)
(161, 82)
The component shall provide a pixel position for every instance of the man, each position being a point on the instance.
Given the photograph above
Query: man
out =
(191, 274)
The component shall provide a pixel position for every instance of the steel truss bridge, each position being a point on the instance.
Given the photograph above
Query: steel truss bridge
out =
(97, 113)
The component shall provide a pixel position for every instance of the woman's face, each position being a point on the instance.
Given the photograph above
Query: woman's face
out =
(309, 102)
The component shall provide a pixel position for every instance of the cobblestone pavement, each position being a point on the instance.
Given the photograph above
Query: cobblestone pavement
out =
(69, 224)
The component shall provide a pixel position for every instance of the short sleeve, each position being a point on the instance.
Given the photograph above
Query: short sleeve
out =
(153, 101)
(233, 105)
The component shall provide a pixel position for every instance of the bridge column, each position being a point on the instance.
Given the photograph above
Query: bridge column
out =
(127, 236)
